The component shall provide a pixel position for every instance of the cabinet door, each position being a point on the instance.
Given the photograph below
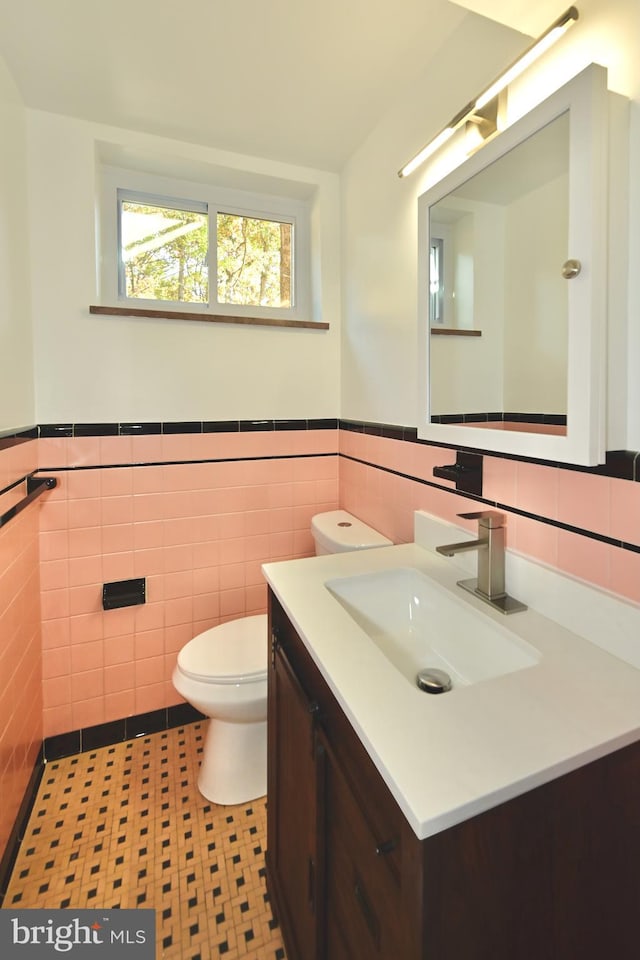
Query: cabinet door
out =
(292, 824)
(365, 909)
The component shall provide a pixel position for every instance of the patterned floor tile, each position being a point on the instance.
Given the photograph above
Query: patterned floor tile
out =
(125, 826)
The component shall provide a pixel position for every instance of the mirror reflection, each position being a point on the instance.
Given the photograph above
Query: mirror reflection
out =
(498, 302)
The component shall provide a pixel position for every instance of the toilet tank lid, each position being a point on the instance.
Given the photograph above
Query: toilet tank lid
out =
(232, 652)
(340, 530)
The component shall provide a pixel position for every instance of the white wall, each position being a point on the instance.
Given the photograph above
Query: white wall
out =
(379, 364)
(104, 368)
(456, 362)
(16, 368)
(536, 332)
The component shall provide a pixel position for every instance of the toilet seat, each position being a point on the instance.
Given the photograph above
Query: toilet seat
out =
(234, 652)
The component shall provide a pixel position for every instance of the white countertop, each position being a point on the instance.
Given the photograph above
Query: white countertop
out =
(449, 757)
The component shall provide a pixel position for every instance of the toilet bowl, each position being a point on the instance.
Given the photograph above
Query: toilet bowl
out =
(222, 672)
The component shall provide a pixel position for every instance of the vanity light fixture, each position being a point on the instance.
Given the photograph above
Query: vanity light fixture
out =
(478, 109)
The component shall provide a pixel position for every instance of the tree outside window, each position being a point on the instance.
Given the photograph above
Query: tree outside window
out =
(165, 256)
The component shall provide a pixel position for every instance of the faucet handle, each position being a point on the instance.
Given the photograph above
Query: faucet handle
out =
(490, 519)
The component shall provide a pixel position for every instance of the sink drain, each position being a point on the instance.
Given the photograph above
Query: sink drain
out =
(433, 681)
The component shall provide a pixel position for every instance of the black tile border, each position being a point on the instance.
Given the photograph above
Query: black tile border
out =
(96, 430)
(173, 427)
(620, 464)
(12, 438)
(601, 537)
(117, 731)
(182, 426)
(555, 419)
(139, 429)
(55, 430)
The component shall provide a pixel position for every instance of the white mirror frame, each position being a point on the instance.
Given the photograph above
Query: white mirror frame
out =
(584, 443)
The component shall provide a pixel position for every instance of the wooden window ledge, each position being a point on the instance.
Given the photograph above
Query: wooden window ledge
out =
(455, 332)
(208, 317)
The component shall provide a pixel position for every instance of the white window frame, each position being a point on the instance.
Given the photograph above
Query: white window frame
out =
(117, 184)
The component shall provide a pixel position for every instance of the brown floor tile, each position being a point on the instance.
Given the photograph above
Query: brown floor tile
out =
(125, 826)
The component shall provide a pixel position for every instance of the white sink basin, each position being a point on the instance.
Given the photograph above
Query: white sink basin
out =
(417, 624)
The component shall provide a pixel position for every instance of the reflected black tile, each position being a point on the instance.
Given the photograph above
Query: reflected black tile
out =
(183, 426)
(56, 429)
(558, 419)
(290, 424)
(221, 426)
(62, 745)
(475, 417)
(323, 424)
(95, 429)
(140, 429)
(103, 734)
(530, 418)
(248, 425)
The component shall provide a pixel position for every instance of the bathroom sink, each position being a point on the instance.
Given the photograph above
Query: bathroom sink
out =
(417, 624)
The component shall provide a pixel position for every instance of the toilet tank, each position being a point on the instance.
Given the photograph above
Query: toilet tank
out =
(338, 531)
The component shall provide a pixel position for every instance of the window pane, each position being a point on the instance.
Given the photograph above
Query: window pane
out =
(254, 261)
(164, 253)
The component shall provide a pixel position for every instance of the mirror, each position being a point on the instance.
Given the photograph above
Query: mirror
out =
(496, 246)
(503, 330)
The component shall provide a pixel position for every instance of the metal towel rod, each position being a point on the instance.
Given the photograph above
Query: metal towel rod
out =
(35, 486)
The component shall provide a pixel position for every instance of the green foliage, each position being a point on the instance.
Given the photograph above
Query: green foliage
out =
(168, 259)
(165, 257)
(254, 261)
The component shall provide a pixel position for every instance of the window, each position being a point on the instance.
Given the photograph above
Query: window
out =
(254, 265)
(436, 279)
(184, 246)
(163, 251)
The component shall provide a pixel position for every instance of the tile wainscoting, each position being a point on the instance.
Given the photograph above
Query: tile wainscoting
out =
(21, 728)
(582, 521)
(196, 508)
(196, 514)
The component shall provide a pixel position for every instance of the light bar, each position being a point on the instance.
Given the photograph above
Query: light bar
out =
(530, 55)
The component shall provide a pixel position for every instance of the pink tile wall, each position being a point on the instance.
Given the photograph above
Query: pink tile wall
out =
(598, 504)
(20, 656)
(198, 532)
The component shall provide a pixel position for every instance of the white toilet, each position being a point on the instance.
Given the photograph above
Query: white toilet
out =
(223, 674)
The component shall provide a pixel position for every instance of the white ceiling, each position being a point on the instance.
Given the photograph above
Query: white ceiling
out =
(295, 80)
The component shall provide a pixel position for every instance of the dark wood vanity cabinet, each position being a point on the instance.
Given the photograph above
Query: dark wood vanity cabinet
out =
(294, 818)
(338, 847)
(552, 875)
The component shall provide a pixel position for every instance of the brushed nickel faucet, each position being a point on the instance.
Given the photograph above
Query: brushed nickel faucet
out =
(489, 585)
